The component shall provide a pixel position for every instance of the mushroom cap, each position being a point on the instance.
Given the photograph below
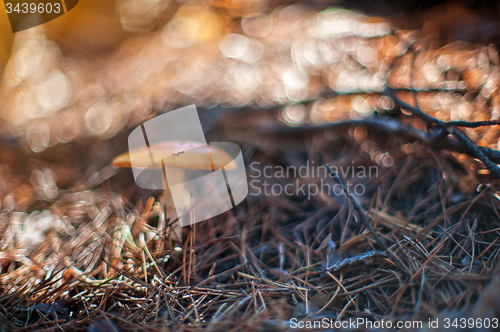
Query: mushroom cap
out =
(179, 154)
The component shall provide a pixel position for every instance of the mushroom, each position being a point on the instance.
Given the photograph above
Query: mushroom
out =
(175, 157)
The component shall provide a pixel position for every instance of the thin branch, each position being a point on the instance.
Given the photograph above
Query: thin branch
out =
(426, 117)
(476, 152)
(488, 157)
(475, 124)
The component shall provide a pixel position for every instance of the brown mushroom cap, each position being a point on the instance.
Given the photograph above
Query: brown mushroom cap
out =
(179, 154)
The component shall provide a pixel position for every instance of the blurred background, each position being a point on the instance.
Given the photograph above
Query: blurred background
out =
(108, 65)
(286, 81)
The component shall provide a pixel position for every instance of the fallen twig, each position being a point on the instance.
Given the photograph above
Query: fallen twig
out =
(365, 221)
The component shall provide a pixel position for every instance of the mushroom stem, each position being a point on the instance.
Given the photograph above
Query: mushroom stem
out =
(183, 199)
